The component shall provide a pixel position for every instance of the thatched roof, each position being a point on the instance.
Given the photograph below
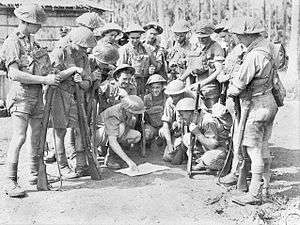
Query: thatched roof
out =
(59, 4)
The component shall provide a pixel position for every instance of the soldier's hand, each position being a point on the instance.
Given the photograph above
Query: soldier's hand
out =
(133, 167)
(78, 70)
(52, 79)
(194, 128)
(151, 69)
(77, 78)
(175, 125)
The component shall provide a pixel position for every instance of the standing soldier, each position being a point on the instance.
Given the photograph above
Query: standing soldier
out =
(25, 98)
(206, 63)
(152, 44)
(64, 110)
(176, 55)
(135, 54)
(154, 103)
(254, 84)
(108, 34)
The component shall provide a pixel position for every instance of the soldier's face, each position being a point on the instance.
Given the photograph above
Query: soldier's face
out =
(186, 116)
(111, 36)
(134, 38)
(33, 28)
(204, 40)
(124, 79)
(152, 34)
(156, 89)
(180, 37)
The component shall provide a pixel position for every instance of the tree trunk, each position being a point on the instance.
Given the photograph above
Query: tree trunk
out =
(293, 74)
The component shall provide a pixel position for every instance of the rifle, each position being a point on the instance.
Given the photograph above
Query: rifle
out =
(223, 94)
(42, 182)
(83, 127)
(143, 152)
(193, 138)
(242, 181)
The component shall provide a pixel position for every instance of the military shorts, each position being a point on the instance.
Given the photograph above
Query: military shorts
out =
(64, 110)
(259, 123)
(31, 105)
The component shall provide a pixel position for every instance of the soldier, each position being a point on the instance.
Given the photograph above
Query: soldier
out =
(171, 129)
(134, 54)
(89, 20)
(25, 98)
(254, 85)
(64, 110)
(176, 56)
(108, 34)
(211, 131)
(154, 103)
(118, 126)
(206, 63)
(152, 44)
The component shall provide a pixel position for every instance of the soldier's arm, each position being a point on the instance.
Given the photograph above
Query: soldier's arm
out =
(209, 140)
(26, 78)
(123, 59)
(116, 147)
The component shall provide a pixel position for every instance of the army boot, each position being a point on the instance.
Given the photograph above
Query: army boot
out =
(13, 190)
(254, 196)
(229, 180)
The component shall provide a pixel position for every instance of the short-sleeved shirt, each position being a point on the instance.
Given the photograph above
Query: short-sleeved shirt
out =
(155, 108)
(20, 49)
(203, 66)
(157, 52)
(216, 128)
(113, 117)
(137, 57)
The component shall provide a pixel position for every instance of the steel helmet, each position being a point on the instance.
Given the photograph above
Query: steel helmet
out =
(101, 31)
(83, 37)
(181, 26)
(123, 67)
(31, 13)
(133, 28)
(106, 53)
(204, 28)
(175, 87)
(246, 25)
(133, 104)
(90, 20)
(156, 78)
(155, 26)
(185, 104)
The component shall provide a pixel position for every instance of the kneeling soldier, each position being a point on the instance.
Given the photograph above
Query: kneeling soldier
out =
(211, 131)
(154, 103)
(117, 127)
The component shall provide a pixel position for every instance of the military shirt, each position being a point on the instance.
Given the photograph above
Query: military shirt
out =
(256, 68)
(234, 60)
(176, 57)
(155, 108)
(113, 117)
(203, 66)
(157, 53)
(20, 49)
(137, 57)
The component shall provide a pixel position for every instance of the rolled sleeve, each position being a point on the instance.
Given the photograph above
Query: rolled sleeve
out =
(112, 126)
(169, 114)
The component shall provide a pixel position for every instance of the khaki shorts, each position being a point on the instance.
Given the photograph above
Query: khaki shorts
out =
(32, 106)
(259, 123)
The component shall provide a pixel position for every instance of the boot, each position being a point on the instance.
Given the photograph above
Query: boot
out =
(200, 166)
(67, 173)
(230, 179)
(51, 179)
(82, 171)
(254, 196)
(179, 155)
(13, 190)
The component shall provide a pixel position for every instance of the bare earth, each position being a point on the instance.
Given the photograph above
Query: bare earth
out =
(167, 197)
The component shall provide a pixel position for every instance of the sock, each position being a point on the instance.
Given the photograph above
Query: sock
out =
(12, 170)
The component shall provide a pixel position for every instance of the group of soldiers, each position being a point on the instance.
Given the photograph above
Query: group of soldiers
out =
(139, 82)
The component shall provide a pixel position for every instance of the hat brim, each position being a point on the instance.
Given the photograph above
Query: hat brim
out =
(135, 31)
(131, 69)
(20, 17)
(174, 93)
(163, 81)
(156, 27)
(202, 35)
(181, 31)
(136, 112)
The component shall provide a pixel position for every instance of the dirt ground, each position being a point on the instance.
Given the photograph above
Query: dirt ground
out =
(167, 197)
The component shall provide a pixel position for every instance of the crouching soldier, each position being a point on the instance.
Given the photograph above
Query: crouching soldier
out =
(154, 103)
(171, 128)
(211, 131)
(117, 128)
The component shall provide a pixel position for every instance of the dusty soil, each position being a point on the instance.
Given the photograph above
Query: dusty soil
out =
(167, 197)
